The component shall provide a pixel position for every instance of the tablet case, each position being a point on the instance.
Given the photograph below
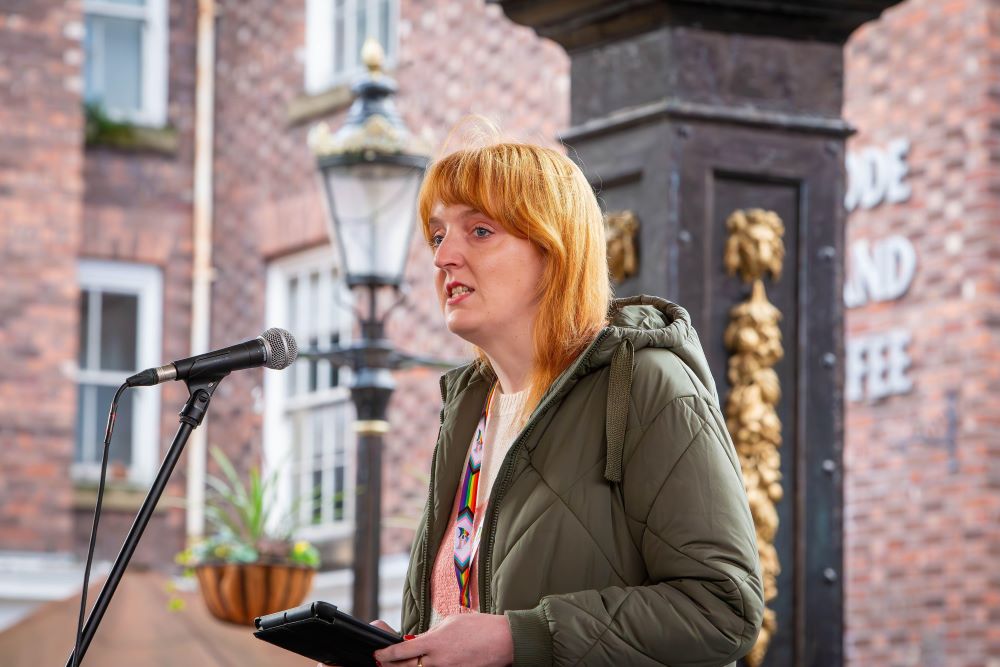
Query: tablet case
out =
(320, 631)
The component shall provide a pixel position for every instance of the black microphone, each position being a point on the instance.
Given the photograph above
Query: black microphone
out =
(275, 348)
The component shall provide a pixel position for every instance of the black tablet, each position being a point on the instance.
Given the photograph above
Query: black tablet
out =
(321, 632)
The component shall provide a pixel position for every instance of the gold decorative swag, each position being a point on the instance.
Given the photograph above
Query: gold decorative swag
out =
(754, 248)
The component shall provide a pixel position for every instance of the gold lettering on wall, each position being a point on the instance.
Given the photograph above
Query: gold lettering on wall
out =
(753, 337)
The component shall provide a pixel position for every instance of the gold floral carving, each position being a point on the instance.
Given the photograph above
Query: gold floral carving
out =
(754, 248)
(755, 245)
(621, 228)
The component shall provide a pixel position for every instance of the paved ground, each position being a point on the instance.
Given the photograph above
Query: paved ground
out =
(140, 630)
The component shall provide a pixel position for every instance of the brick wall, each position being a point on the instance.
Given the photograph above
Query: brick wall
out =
(41, 131)
(455, 58)
(137, 207)
(922, 500)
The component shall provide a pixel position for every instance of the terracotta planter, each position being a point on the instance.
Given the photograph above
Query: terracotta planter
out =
(238, 593)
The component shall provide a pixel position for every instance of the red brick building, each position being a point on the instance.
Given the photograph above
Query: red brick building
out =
(97, 275)
(98, 251)
(922, 450)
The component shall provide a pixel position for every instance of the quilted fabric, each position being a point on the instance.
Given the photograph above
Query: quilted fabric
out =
(646, 559)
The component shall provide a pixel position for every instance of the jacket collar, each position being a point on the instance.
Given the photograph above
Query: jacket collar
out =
(645, 321)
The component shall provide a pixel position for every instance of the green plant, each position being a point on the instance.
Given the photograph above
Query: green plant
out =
(100, 128)
(241, 515)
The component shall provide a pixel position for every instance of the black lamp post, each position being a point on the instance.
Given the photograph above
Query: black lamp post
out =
(371, 170)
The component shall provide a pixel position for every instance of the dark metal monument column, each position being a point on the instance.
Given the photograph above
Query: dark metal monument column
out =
(713, 130)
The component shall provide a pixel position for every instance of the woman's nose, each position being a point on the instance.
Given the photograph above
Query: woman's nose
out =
(447, 254)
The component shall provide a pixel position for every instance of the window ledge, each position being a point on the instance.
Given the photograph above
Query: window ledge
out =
(310, 106)
(307, 107)
(137, 139)
(118, 496)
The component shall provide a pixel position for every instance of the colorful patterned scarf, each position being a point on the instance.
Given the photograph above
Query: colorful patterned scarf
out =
(464, 543)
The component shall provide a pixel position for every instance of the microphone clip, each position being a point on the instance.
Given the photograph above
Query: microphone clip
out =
(200, 391)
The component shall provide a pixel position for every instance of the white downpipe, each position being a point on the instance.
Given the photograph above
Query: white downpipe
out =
(203, 273)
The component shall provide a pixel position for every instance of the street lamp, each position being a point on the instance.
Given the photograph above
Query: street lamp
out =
(371, 170)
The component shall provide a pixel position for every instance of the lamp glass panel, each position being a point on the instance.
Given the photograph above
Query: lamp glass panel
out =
(374, 209)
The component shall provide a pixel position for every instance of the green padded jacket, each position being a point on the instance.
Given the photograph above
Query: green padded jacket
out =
(618, 530)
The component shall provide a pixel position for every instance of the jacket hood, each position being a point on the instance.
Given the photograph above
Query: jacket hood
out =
(649, 321)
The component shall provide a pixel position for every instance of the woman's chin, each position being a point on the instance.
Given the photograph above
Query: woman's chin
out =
(460, 325)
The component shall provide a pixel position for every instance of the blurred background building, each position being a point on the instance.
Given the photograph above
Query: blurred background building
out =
(102, 197)
(922, 292)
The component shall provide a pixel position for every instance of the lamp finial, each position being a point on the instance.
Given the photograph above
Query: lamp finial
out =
(372, 55)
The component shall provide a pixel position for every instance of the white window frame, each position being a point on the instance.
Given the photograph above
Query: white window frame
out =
(279, 404)
(156, 22)
(146, 283)
(319, 72)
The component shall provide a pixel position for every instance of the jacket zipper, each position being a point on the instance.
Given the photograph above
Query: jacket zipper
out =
(425, 594)
(493, 509)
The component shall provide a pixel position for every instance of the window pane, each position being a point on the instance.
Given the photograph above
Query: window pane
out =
(315, 303)
(93, 403)
(319, 423)
(291, 382)
(113, 62)
(313, 366)
(320, 465)
(131, 3)
(362, 21)
(83, 338)
(335, 371)
(342, 417)
(121, 443)
(339, 36)
(317, 497)
(85, 398)
(119, 324)
(338, 497)
(385, 18)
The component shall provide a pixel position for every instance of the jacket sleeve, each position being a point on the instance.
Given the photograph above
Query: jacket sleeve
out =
(703, 604)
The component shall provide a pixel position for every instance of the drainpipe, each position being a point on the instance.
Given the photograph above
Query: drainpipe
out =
(202, 272)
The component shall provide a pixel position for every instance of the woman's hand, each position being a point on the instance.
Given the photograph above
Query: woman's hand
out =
(463, 640)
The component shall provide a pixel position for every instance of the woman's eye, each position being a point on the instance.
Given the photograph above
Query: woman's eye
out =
(436, 240)
(481, 232)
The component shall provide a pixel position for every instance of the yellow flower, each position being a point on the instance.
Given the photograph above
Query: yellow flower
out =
(300, 547)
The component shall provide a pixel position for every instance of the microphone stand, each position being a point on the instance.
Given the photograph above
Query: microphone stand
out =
(191, 415)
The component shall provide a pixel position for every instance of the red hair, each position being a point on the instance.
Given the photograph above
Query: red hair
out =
(537, 194)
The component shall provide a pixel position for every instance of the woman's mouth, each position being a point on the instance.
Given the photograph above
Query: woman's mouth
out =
(458, 293)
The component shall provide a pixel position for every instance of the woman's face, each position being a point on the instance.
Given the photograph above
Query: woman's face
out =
(487, 279)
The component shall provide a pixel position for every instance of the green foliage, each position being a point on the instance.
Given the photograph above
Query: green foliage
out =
(100, 128)
(240, 513)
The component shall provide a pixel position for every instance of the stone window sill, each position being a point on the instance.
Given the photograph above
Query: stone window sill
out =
(308, 107)
(119, 496)
(311, 106)
(137, 139)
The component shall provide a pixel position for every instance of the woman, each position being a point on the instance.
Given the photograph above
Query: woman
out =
(584, 492)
